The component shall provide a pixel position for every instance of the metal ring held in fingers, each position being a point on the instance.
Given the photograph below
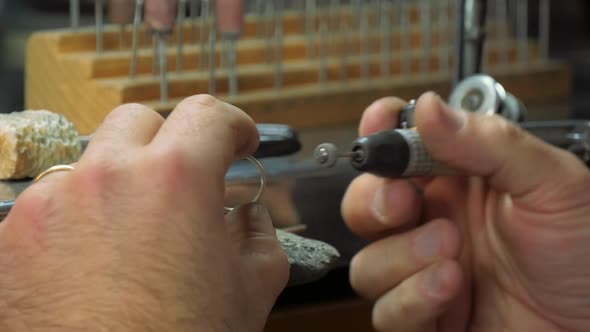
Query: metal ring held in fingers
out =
(262, 182)
(53, 169)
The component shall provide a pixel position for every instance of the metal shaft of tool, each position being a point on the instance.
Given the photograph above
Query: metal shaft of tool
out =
(135, 38)
(203, 23)
(259, 13)
(163, 61)
(193, 12)
(279, 44)
(268, 32)
(212, 62)
(471, 39)
(121, 13)
(180, 16)
(376, 6)
(364, 44)
(299, 7)
(310, 17)
(459, 42)
(522, 13)
(426, 27)
(230, 25)
(544, 27)
(343, 51)
(99, 18)
(334, 20)
(323, 57)
(486, 54)
(233, 71)
(75, 14)
(156, 56)
(355, 9)
(385, 27)
(122, 36)
(444, 42)
(502, 30)
(222, 51)
(406, 48)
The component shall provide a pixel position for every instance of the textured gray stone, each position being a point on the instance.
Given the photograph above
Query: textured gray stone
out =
(309, 259)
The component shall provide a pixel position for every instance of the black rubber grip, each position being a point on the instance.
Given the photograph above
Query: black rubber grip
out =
(384, 154)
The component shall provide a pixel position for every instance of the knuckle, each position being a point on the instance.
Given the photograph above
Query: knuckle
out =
(405, 307)
(96, 177)
(127, 110)
(171, 162)
(354, 210)
(132, 107)
(381, 316)
(396, 307)
(358, 275)
(201, 101)
(444, 227)
(503, 129)
(381, 103)
(125, 116)
(449, 240)
(172, 170)
(388, 103)
(32, 204)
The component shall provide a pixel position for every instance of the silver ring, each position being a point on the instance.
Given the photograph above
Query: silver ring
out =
(260, 192)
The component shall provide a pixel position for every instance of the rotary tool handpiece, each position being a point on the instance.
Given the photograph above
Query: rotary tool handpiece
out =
(398, 153)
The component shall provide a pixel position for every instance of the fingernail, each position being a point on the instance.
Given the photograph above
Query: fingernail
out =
(427, 243)
(382, 201)
(453, 119)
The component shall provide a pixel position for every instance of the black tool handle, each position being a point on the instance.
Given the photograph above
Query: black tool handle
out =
(394, 154)
(277, 140)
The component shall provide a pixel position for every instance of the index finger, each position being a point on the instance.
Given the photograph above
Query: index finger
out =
(381, 115)
(208, 133)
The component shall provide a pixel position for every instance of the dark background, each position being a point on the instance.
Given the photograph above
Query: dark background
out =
(570, 41)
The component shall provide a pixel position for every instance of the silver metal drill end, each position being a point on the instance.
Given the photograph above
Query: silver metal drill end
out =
(326, 155)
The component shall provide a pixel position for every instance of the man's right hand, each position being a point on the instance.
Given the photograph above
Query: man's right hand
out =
(504, 248)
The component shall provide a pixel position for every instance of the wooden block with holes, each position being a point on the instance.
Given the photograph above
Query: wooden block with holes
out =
(64, 74)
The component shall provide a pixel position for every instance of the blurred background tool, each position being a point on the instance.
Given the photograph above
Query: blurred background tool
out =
(99, 18)
(75, 14)
(122, 12)
(374, 47)
(160, 16)
(230, 23)
(137, 16)
(180, 40)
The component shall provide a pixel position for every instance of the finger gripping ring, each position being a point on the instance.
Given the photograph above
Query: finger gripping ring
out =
(53, 169)
(260, 192)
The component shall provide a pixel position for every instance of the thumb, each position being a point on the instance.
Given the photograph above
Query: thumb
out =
(513, 160)
(251, 229)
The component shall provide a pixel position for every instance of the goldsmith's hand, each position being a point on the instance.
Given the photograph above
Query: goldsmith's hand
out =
(135, 238)
(507, 249)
